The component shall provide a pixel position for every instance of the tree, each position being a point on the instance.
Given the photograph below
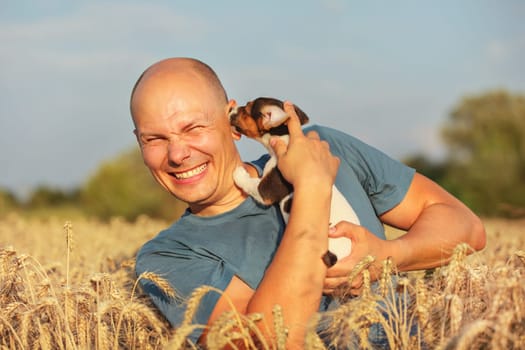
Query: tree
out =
(44, 197)
(8, 201)
(124, 187)
(435, 171)
(486, 139)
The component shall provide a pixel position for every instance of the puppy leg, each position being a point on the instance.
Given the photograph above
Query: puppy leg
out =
(341, 210)
(273, 187)
(247, 183)
(286, 206)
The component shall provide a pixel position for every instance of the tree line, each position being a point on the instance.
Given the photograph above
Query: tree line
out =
(120, 187)
(484, 167)
(485, 163)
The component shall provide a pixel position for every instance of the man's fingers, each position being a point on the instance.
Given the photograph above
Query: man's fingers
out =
(341, 284)
(279, 146)
(334, 282)
(314, 135)
(294, 124)
(345, 229)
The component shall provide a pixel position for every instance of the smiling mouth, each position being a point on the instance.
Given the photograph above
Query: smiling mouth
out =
(190, 173)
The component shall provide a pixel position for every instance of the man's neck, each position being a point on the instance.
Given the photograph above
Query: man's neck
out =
(229, 202)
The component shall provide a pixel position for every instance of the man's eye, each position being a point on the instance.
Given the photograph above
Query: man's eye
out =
(151, 140)
(196, 128)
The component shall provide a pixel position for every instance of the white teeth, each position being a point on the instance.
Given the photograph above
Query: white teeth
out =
(192, 172)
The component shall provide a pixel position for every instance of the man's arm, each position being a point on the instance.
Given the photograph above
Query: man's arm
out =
(435, 221)
(294, 279)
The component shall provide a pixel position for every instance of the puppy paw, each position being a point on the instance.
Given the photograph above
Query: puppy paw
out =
(329, 259)
(340, 247)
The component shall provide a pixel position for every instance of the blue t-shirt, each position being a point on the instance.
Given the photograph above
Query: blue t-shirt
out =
(196, 251)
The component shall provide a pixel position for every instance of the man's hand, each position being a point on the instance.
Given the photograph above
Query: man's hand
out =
(364, 243)
(435, 223)
(297, 267)
(306, 160)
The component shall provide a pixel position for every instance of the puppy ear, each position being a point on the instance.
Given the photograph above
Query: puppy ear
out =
(303, 118)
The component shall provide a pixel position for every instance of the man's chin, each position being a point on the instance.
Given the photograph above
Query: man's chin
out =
(193, 198)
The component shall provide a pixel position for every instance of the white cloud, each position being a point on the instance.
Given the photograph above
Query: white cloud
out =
(100, 24)
(510, 49)
(66, 81)
(498, 51)
(335, 6)
(66, 75)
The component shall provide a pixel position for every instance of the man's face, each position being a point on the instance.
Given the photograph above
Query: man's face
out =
(186, 141)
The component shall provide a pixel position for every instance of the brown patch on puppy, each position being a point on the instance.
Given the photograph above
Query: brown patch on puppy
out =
(263, 115)
(329, 259)
(243, 122)
(273, 187)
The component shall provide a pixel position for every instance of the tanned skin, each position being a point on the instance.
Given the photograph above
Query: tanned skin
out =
(180, 111)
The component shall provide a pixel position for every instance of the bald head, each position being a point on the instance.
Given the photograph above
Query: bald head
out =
(180, 68)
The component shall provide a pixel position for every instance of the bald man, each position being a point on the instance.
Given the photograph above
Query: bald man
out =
(226, 240)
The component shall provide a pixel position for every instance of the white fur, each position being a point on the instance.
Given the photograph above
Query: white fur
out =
(340, 209)
(248, 184)
(273, 116)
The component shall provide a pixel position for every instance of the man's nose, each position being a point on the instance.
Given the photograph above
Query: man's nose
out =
(178, 151)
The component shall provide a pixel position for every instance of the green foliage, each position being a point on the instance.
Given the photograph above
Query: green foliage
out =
(433, 170)
(8, 201)
(44, 196)
(124, 187)
(486, 139)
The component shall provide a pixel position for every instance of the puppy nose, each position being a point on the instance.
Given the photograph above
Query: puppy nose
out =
(233, 113)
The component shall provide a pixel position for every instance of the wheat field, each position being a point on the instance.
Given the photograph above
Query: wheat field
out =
(71, 285)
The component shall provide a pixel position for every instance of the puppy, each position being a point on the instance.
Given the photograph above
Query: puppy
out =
(261, 119)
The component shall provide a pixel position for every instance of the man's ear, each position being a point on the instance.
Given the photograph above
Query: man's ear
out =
(232, 105)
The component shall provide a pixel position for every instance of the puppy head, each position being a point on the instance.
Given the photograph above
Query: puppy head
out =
(243, 123)
(263, 115)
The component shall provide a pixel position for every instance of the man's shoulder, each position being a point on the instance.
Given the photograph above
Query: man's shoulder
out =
(152, 255)
(329, 133)
(161, 240)
(340, 142)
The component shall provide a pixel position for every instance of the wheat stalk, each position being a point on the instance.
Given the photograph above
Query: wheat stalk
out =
(456, 312)
(161, 282)
(281, 332)
(476, 302)
(467, 339)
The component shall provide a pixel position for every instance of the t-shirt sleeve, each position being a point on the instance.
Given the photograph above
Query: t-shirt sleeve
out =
(384, 179)
(184, 272)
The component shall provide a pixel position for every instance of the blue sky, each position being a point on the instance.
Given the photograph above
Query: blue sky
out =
(388, 72)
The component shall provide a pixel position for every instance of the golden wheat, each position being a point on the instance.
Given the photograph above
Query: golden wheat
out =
(56, 295)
